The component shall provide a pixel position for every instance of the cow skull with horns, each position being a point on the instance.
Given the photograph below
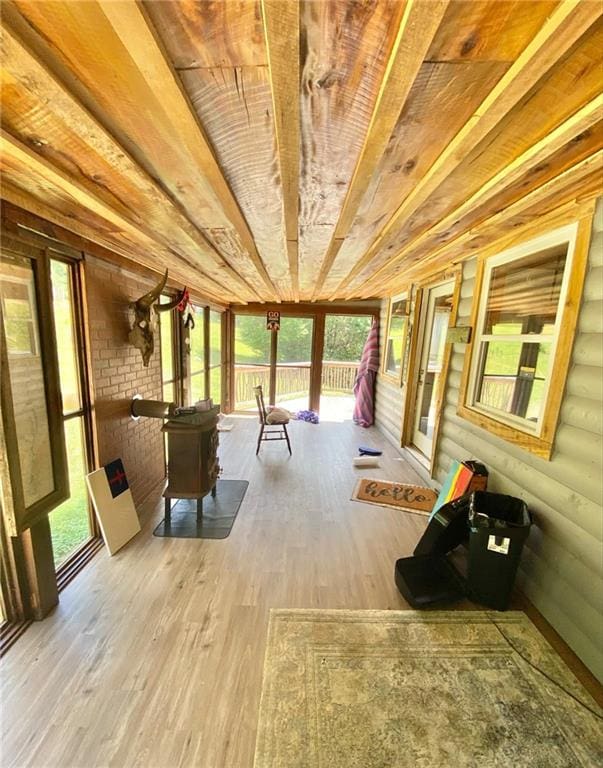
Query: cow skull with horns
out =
(143, 318)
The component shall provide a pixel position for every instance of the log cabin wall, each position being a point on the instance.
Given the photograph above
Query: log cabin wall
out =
(561, 568)
(118, 373)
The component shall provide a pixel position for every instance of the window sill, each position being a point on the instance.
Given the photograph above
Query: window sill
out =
(531, 443)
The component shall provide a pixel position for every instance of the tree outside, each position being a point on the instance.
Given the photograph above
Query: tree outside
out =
(345, 336)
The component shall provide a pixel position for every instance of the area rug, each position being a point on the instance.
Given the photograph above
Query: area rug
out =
(397, 689)
(384, 493)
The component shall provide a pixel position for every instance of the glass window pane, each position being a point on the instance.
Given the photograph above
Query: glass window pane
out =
(396, 336)
(167, 361)
(344, 340)
(215, 338)
(294, 356)
(345, 337)
(502, 358)
(19, 325)
(524, 293)
(215, 384)
(252, 359)
(70, 522)
(293, 387)
(168, 392)
(507, 329)
(17, 290)
(197, 344)
(514, 376)
(435, 361)
(295, 341)
(62, 306)
(197, 387)
(252, 340)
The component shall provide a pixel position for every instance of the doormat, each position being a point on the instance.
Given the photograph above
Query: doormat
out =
(407, 688)
(218, 517)
(385, 493)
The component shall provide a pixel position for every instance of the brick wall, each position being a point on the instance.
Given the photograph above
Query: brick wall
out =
(118, 373)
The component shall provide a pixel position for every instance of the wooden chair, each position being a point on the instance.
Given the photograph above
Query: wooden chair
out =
(276, 418)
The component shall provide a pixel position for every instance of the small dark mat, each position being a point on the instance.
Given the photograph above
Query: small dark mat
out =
(219, 514)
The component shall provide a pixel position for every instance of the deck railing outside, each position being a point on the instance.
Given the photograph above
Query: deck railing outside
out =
(292, 380)
(497, 391)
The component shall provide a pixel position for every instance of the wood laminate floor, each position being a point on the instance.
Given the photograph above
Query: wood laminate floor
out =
(154, 657)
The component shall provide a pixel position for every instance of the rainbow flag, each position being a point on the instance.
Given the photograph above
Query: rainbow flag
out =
(456, 484)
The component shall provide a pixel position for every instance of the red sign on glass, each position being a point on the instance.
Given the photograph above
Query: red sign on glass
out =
(273, 321)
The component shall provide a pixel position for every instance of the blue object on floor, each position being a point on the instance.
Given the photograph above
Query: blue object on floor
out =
(309, 416)
(364, 451)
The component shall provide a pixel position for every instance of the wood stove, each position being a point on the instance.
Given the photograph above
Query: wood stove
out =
(192, 446)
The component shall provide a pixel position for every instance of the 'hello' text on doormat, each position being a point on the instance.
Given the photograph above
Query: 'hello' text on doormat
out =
(385, 493)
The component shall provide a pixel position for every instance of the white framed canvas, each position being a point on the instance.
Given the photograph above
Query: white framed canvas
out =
(113, 504)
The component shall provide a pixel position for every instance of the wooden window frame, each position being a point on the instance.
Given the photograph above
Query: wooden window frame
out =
(395, 378)
(181, 357)
(30, 579)
(421, 290)
(577, 233)
(20, 516)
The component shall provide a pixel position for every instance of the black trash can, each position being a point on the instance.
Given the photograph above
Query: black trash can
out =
(498, 528)
(448, 528)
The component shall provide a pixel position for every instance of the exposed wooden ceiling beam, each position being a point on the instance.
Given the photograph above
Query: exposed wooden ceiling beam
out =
(281, 33)
(103, 247)
(417, 28)
(574, 126)
(171, 226)
(132, 26)
(23, 156)
(568, 22)
(579, 183)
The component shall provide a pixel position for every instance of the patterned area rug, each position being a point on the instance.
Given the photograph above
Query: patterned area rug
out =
(385, 493)
(390, 689)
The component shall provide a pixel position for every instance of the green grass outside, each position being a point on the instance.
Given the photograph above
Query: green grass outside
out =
(503, 360)
(69, 522)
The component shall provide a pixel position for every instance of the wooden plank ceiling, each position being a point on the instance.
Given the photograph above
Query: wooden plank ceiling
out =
(284, 151)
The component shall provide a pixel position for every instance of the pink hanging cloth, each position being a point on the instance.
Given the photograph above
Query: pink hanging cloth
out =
(364, 385)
